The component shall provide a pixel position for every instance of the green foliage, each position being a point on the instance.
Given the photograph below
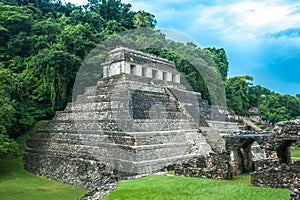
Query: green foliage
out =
(7, 105)
(255, 93)
(276, 107)
(171, 187)
(220, 59)
(53, 72)
(242, 95)
(144, 19)
(7, 145)
(237, 93)
(113, 10)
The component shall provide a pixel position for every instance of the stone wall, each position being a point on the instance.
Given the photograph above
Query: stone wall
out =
(214, 166)
(82, 173)
(270, 173)
(290, 128)
(295, 189)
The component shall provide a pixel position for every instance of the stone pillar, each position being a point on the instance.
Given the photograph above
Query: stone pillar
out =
(175, 78)
(122, 68)
(169, 77)
(105, 74)
(159, 75)
(138, 70)
(126, 68)
(148, 72)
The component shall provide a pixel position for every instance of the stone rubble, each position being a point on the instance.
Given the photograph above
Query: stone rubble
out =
(99, 192)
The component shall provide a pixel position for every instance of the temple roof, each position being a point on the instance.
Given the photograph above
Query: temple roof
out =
(138, 57)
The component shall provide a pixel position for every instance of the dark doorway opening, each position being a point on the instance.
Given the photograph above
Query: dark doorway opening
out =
(284, 152)
(242, 158)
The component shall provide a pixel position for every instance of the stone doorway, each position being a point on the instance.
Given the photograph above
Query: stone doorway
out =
(284, 153)
(242, 158)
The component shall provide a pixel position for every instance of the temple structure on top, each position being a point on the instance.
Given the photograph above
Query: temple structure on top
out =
(127, 61)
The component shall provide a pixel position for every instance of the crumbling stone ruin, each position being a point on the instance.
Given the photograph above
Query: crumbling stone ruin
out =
(280, 171)
(139, 119)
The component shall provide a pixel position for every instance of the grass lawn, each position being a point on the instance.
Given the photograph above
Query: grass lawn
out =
(295, 152)
(171, 187)
(18, 184)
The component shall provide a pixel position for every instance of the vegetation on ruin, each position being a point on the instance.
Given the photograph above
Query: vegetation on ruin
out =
(174, 187)
(16, 183)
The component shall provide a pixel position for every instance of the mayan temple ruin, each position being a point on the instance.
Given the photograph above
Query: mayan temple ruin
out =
(140, 119)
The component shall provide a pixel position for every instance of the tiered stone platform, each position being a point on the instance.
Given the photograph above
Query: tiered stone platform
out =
(125, 125)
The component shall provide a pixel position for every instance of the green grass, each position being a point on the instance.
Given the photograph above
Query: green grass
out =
(18, 184)
(295, 153)
(171, 187)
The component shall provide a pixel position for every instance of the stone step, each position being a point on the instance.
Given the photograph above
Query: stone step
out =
(70, 137)
(126, 167)
(90, 90)
(80, 126)
(223, 125)
(149, 138)
(130, 138)
(132, 125)
(92, 98)
(149, 166)
(88, 116)
(93, 116)
(114, 151)
(118, 96)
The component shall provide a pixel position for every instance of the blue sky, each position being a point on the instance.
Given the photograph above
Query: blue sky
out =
(261, 38)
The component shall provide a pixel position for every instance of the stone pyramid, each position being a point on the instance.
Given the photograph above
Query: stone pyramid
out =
(138, 119)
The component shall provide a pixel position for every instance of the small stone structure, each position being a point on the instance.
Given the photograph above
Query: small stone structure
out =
(246, 147)
(290, 128)
(140, 64)
(280, 172)
(272, 173)
(254, 114)
(216, 166)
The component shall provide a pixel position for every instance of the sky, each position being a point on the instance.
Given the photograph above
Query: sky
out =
(261, 37)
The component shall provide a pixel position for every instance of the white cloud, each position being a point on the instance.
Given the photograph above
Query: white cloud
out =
(249, 19)
(77, 2)
(138, 5)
